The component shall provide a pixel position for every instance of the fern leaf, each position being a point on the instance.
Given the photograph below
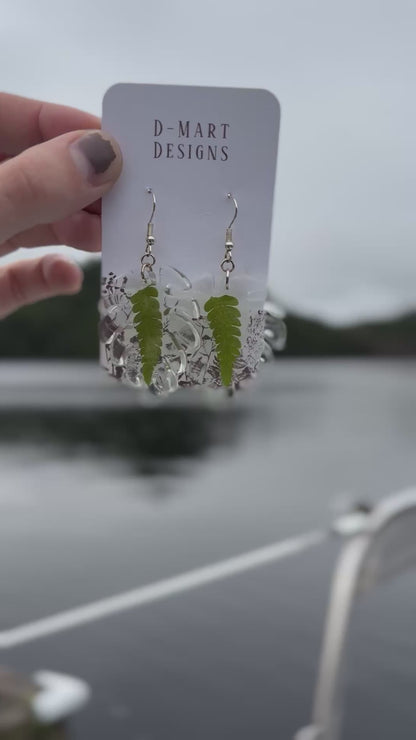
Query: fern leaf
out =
(224, 320)
(148, 323)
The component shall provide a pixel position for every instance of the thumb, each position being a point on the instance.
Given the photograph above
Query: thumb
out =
(52, 180)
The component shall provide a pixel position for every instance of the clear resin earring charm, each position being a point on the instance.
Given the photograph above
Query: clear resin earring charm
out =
(223, 314)
(161, 332)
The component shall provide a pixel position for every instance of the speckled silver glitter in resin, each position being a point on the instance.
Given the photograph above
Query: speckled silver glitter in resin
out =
(188, 356)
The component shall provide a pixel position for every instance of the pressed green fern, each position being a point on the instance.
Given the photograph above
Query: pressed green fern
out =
(148, 323)
(224, 320)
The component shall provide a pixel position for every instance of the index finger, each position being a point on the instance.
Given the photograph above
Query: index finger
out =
(25, 122)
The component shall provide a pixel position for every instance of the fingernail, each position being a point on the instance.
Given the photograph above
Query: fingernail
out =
(63, 273)
(97, 156)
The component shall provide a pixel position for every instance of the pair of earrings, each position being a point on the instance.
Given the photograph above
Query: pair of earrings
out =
(223, 314)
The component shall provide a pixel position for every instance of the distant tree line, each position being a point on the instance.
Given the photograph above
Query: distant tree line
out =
(66, 327)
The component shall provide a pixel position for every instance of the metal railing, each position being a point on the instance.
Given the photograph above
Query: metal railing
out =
(386, 548)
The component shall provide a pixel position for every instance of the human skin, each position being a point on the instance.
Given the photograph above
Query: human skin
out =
(55, 166)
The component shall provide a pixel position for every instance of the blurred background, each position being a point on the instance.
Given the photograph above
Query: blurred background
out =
(102, 492)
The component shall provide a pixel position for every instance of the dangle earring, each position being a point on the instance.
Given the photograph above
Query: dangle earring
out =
(223, 314)
(147, 317)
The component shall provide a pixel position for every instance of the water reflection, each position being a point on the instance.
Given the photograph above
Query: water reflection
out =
(99, 497)
(151, 439)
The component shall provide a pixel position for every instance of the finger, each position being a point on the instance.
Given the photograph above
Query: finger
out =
(29, 281)
(25, 122)
(50, 181)
(94, 207)
(81, 230)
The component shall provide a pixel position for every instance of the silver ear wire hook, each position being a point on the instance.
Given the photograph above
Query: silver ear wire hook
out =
(227, 265)
(229, 195)
(149, 190)
(148, 259)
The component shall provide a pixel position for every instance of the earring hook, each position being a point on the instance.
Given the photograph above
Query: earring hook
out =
(148, 259)
(227, 265)
(230, 195)
(150, 191)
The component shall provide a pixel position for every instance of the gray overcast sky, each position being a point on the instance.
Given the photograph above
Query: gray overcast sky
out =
(345, 222)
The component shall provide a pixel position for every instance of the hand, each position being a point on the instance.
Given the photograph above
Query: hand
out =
(55, 163)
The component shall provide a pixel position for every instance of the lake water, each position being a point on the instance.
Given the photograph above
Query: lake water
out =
(102, 493)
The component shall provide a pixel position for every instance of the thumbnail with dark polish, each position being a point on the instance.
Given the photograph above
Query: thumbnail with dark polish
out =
(98, 151)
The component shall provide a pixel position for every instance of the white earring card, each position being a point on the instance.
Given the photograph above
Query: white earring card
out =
(192, 146)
